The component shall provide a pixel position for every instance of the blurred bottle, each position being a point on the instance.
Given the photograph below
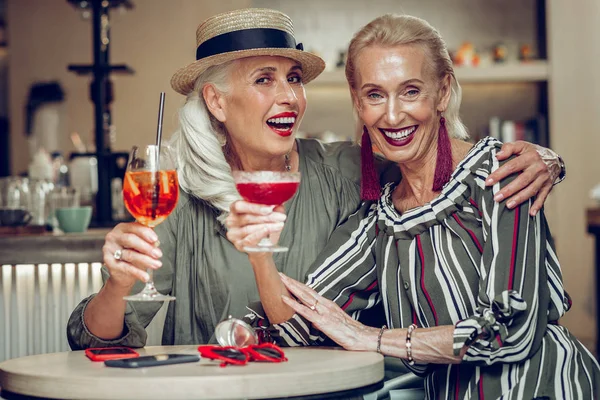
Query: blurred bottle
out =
(60, 170)
(83, 175)
(41, 166)
(38, 207)
(44, 116)
(118, 206)
(509, 131)
(494, 128)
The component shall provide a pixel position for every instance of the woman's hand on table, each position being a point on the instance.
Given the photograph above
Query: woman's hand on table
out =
(328, 317)
(138, 245)
(536, 176)
(248, 223)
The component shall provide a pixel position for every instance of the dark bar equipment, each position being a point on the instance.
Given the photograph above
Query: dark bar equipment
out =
(4, 139)
(101, 96)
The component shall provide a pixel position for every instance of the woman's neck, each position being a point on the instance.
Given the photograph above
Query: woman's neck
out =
(416, 187)
(240, 160)
(417, 179)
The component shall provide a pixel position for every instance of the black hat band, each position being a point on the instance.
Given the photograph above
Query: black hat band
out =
(247, 39)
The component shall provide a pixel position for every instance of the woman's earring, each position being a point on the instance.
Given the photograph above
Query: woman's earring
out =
(369, 182)
(222, 139)
(443, 165)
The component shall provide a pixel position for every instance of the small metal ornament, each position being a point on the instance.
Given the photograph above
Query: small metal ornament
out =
(235, 332)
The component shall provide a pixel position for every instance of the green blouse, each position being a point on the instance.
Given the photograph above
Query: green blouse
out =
(209, 277)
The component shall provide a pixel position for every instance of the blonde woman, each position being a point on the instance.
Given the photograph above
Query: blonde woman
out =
(472, 290)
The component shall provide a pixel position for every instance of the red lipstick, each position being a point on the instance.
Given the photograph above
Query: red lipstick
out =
(286, 129)
(284, 115)
(398, 142)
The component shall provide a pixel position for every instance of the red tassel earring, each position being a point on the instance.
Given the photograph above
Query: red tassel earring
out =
(443, 165)
(369, 183)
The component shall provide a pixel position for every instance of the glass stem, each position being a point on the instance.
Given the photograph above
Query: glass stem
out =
(150, 282)
(265, 242)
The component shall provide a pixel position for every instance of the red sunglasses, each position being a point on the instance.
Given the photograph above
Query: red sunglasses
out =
(265, 352)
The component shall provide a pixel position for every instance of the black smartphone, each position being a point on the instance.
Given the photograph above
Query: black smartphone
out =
(152, 361)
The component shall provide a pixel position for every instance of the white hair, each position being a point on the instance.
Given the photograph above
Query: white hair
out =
(200, 144)
(394, 30)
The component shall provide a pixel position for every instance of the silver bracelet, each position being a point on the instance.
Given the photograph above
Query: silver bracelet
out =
(409, 332)
(563, 171)
(553, 161)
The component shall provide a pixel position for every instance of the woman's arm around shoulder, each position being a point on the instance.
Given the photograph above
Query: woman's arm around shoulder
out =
(514, 299)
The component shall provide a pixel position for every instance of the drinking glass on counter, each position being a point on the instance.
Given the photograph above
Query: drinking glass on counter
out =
(269, 188)
(15, 201)
(150, 193)
(62, 197)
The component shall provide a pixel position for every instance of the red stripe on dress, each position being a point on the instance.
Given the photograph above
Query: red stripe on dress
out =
(423, 280)
(456, 391)
(499, 340)
(474, 204)
(470, 232)
(480, 386)
(351, 298)
(513, 258)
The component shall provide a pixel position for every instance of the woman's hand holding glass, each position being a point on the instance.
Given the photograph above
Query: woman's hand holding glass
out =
(249, 223)
(271, 189)
(150, 193)
(138, 246)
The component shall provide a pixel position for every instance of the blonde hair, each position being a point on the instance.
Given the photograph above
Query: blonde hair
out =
(200, 143)
(394, 30)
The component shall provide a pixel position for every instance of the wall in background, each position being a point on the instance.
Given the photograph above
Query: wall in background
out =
(574, 94)
(155, 39)
(327, 26)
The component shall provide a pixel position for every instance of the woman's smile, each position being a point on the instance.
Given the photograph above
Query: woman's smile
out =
(283, 123)
(400, 136)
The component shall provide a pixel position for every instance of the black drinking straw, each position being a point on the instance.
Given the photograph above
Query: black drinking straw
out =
(161, 110)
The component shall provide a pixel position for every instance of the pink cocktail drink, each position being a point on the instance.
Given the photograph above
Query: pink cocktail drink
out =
(268, 193)
(269, 188)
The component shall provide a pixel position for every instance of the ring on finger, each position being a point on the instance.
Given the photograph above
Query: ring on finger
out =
(314, 306)
(118, 254)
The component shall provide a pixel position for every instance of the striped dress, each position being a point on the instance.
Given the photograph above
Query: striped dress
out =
(467, 261)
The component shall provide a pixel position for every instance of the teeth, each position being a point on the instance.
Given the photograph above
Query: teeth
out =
(286, 120)
(400, 134)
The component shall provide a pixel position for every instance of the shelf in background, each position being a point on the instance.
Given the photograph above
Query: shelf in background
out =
(533, 71)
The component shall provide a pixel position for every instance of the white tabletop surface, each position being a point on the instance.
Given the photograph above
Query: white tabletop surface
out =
(308, 371)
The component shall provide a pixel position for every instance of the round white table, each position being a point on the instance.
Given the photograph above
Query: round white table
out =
(308, 372)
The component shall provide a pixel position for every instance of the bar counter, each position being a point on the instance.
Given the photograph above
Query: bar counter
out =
(49, 248)
(43, 277)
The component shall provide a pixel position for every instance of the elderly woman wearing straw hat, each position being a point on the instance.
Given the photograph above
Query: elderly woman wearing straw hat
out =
(245, 101)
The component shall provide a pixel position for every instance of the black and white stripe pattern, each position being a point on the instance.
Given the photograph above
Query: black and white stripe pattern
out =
(467, 261)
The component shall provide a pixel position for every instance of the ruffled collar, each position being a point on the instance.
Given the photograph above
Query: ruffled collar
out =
(419, 219)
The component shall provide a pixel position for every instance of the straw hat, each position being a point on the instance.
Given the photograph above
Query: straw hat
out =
(245, 33)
